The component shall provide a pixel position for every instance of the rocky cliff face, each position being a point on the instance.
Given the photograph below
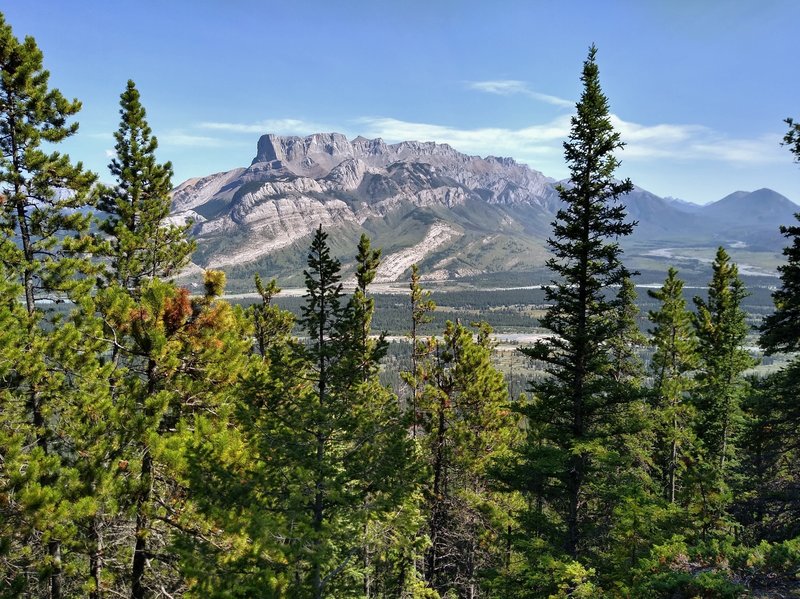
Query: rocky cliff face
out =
(422, 202)
(294, 184)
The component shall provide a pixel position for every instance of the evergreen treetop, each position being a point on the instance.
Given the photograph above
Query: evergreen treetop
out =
(573, 410)
(45, 195)
(143, 243)
(781, 329)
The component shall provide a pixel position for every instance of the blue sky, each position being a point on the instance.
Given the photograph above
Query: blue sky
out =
(698, 88)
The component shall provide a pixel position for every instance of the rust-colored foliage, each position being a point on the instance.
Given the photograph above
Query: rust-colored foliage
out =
(177, 310)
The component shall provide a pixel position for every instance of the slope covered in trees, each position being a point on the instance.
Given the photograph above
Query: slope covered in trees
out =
(155, 443)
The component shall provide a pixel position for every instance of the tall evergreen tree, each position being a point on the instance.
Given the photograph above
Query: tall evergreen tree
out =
(573, 407)
(318, 469)
(769, 505)
(421, 307)
(780, 331)
(674, 359)
(161, 340)
(627, 367)
(44, 225)
(144, 245)
(361, 458)
(721, 329)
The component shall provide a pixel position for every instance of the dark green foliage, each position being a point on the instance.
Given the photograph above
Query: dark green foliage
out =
(792, 138)
(780, 331)
(467, 424)
(572, 413)
(317, 470)
(421, 308)
(143, 244)
(674, 359)
(627, 367)
(767, 492)
(720, 388)
(721, 328)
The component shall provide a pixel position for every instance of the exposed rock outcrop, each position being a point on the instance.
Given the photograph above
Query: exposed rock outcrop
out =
(422, 200)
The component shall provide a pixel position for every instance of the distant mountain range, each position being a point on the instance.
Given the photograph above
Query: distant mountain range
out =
(455, 215)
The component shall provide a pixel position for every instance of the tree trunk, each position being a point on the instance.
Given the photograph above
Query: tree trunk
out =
(142, 502)
(96, 559)
(54, 549)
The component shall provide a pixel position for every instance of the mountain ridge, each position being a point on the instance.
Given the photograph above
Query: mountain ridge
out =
(455, 214)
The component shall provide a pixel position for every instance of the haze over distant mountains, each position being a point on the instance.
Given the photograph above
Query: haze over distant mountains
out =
(453, 214)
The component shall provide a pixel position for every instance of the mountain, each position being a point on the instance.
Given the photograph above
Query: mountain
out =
(752, 218)
(422, 202)
(761, 206)
(455, 215)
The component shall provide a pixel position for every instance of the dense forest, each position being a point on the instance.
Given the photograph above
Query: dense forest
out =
(155, 443)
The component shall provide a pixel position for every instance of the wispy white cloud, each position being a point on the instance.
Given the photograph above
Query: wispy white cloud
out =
(694, 142)
(507, 87)
(539, 145)
(519, 143)
(278, 126)
(181, 138)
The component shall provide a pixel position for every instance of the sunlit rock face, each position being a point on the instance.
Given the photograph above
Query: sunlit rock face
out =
(423, 201)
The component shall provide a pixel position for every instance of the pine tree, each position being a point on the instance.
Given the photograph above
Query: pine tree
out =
(721, 329)
(573, 408)
(674, 358)
(162, 343)
(317, 469)
(468, 424)
(44, 224)
(421, 307)
(144, 245)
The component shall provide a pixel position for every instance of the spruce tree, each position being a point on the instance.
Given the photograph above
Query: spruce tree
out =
(573, 408)
(674, 359)
(721, 329)
(360, 463)
(272, 326)
(780, 331)
(769, 506)
(317, 469)
(627, 367)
